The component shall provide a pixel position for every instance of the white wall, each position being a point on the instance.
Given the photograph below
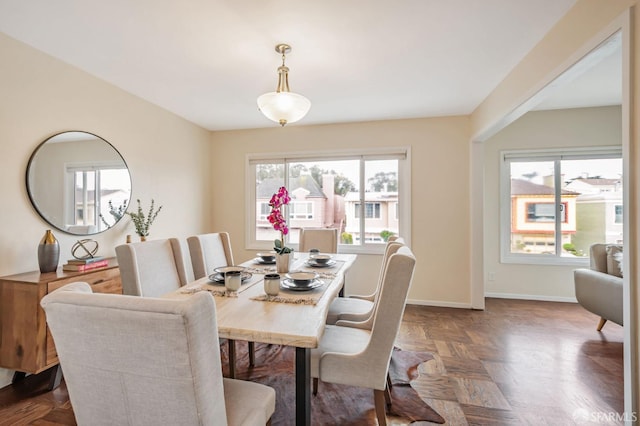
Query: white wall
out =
(439, 194)
(167, 155)
(535, 130)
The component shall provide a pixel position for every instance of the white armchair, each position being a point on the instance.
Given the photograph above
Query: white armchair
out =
(360, 356)
(146, 361)
(599, 288)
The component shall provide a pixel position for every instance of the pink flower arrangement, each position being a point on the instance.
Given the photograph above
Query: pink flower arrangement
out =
(277, 220)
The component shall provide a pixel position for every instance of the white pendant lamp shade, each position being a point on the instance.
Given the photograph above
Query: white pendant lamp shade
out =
(283, 106)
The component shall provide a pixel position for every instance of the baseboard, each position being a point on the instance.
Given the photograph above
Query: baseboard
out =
(532, 297)
(439, 304)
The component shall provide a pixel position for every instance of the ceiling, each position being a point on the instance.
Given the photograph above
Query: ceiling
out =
(358, 60)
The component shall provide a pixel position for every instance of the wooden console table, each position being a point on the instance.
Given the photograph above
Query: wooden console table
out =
(26, 345)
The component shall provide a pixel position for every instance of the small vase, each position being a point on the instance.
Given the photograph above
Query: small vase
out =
(48, 252)
(283, 262)
(143, 238)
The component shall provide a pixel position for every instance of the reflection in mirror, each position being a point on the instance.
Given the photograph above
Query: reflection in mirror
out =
(78, 182)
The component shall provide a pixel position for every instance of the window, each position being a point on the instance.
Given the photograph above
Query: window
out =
(300, 210)
(90, 190)
(557, 203)
(371, 210)
(358, 193)
(618, 213)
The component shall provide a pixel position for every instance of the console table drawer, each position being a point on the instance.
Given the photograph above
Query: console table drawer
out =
(101, 281)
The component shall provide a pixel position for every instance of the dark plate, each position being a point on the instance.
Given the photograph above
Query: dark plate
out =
(315, 264)
(218, 278)
(290, 285)
(264, 262)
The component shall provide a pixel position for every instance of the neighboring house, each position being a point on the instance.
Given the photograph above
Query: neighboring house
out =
(381, 214)
(599, 211)
(594, 185)
(311, 206)
(533, 217)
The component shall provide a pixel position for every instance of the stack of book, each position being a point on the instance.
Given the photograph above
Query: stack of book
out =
(81, 265)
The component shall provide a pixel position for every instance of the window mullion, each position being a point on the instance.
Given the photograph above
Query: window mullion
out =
(557, 182)
(362, 203)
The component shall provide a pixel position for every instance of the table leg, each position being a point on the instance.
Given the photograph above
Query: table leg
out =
(303, 386)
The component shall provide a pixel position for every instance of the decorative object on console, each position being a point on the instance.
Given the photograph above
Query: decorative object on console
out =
(143, 222)
(284, 254)
(85, 249)
(83, 267)
(283, 106)
(48, 252)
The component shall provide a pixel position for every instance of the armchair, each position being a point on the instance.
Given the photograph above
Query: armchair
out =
(599, 288)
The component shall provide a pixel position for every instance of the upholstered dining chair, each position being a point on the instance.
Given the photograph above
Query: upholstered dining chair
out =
(359, 356)
(151, 268)
(360, 307)
(207, 252)
(147, 361)
(324, 239)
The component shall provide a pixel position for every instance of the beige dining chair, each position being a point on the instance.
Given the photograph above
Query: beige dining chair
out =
(360, 307)
(151, 268)
(355, 356)
(324, 239)
(147, 361)
(207, 252)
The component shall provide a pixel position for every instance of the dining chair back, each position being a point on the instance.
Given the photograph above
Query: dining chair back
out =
(360, 357)
(147, 361)
(324, 239)
(151, 268)
(360, 307)
(209, 251)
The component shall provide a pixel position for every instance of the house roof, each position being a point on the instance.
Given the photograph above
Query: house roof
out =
(525, 187)
(270, 186)
(598, 181)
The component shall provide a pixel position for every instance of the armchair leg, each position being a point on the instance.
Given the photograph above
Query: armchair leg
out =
(315, 386)
(380, 403)
(601, 323)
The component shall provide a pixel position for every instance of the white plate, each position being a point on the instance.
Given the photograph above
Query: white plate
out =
(290, 285)
(315, 264)
(262, 262)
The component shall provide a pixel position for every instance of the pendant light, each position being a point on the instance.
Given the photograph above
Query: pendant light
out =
(283, 106)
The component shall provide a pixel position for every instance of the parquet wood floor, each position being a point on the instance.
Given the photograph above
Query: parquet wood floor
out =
(516, 363)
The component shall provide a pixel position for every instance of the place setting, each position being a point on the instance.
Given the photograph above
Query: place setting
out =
(300, 287)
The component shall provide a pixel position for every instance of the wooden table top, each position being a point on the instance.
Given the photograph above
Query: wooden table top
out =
(290, 324)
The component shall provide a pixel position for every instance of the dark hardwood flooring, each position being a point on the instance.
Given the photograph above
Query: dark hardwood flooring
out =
(516, 363)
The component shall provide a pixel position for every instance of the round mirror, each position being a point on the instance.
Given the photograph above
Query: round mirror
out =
(78, 182)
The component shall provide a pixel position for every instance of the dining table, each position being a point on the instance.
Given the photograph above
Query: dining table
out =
(291, 318)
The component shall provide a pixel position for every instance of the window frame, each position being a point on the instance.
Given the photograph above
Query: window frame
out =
(556, 155)
(401, 153)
